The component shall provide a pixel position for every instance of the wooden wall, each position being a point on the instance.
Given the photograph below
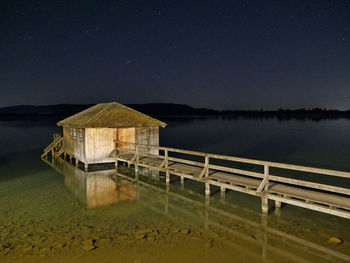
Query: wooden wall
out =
(148, 136)
(100, 145)
(96, 145)
(73, 142)
(126, 135)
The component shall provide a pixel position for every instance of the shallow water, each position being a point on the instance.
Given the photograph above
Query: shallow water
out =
(63, 214)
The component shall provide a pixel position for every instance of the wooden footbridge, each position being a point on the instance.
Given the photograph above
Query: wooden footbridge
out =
(306, 187)
(323, 190)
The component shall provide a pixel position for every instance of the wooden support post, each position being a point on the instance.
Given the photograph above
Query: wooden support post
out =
(137, 159)
(264, 247)
(137, 189)
(182, 178)
(76, 162)
(167, 174)
(277, 204)
(116, 164)
(277, 208)
(264, 205)
(207, 189)
(166, 207)
(206, 212)
(266, 175)
(206, 164)
(64, 156)
(264, 225)
(70, 158)
(222, 193)
(206, 174)
(86, 167)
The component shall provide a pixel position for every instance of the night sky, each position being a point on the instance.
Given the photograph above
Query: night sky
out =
(214, 54)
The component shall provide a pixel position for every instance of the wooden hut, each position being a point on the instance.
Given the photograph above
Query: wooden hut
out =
(89, 136)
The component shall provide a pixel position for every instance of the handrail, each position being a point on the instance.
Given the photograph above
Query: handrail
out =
(250, 161)
(265, 177)
(58, 139)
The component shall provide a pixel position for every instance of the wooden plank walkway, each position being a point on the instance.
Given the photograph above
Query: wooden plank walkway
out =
(260, 181)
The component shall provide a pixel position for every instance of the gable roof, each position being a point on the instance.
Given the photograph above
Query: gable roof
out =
(110, 115)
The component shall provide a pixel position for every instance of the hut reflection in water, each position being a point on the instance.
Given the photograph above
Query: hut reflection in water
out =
(96, 188)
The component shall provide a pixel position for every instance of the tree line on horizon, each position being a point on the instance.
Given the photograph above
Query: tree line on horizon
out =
(171, 109)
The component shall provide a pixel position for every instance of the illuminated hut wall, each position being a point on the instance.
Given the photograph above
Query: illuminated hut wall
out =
(96, 145)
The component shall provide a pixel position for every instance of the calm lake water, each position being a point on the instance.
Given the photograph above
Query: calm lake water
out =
(64, 214)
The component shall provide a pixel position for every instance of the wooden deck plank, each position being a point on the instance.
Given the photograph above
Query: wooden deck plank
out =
(186, 168)
(311, 195)
(291, 191)
(234, 179)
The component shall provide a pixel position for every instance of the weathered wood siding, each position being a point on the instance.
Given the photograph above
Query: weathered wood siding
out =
(148, 136)
(73, 142)
(126, 135)
(96, 145)
(154, 139)
(99, 145)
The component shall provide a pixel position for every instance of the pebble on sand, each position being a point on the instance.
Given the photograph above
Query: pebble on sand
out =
(185, 231)
(88, 245)
(335, 241)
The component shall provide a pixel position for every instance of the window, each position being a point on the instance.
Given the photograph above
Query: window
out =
(80, 135)
(74, 134)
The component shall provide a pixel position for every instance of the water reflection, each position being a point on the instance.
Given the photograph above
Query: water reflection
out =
(253, 233)
(97, 188)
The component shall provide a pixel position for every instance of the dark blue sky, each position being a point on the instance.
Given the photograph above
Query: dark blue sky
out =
(215, 54)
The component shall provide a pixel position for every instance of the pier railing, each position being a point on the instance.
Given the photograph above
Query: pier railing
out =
(266, 185)
(54, 147)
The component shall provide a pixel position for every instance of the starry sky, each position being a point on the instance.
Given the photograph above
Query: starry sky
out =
(213, 54)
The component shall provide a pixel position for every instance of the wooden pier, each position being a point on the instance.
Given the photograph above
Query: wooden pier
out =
(278, 182)
(266, 180)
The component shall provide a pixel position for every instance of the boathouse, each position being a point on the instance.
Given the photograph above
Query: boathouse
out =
(89, 136)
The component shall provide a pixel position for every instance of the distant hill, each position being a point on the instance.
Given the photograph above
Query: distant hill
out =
(171, 109)
(159, 109)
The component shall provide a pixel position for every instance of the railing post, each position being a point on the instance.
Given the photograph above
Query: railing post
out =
(137, 159)
(264, 199)
(266, 175)
(206, 167)
(116, 154)
(167, 174)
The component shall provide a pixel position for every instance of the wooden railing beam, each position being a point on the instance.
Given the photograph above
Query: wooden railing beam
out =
(266, 176)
